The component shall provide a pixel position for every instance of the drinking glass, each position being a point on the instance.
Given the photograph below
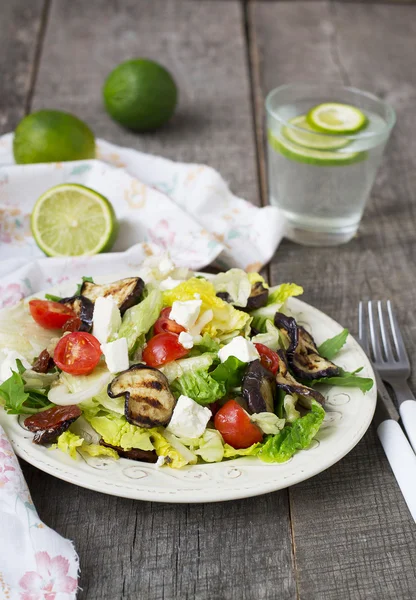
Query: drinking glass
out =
(322, 192)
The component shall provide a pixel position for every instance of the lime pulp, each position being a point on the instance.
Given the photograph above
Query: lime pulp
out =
(334, 117)
(73, 220)
(308, 137)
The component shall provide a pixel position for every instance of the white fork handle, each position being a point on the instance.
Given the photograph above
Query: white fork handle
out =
(407, 411)
(402, 460)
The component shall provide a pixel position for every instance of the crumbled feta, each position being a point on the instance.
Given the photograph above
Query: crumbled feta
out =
(169, 283)
(166, 266)
(239, 347)
(189, 419)
(116, 355)
(185, 313)
(160, 461)
(106, 318)
(8, 363)
(186, 340)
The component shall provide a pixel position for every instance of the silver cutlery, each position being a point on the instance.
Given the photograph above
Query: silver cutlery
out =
(399, 453)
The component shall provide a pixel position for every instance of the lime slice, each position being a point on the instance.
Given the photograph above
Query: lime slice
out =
(73, 220)
(313, 139)
(333, 117)
(312, 156)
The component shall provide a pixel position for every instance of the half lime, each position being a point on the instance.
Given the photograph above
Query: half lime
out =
(313, 139)
(73, 220)
(334, 117)
(312, 156)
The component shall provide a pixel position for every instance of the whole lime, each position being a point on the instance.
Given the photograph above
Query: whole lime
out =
(52, 136)
(140, 94)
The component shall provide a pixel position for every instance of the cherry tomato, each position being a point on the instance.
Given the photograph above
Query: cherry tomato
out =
(268, 358)
(166, 325)
(235, 426)
(77, 353)
(163, 348)
(48, 314)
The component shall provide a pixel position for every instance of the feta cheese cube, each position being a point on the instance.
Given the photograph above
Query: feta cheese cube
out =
(169, 283)
(160, 461)
(106, 318)
(189, 419)
(116, 355)
(186, 340)
(186, 313)
(8, 363)
(239, 347)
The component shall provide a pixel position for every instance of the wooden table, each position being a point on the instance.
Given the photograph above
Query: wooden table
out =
(345, 534)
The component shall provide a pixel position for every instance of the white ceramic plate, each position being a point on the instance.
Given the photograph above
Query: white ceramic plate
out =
(349, 414)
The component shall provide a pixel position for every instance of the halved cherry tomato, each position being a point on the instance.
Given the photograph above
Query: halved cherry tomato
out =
(268, 358)
(235, 426)
(77, 353)
(48, 314)
(166, 325)
(163, 348)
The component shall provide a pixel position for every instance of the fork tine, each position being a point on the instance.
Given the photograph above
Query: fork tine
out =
(374, 336)
(362, 329)
(388, 351)
(397, 335)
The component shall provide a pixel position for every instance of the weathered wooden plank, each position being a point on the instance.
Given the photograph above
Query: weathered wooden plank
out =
(353, 534)
(231, 551)
(20, 26)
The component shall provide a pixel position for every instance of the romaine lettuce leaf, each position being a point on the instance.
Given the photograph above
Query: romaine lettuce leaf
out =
(98, 450)
(166, 444)
(226, 318)
(268, 422)
(198, 385)
(211, 447)
(176, 368)
(292, 438)
(256, 278)
(229, 373)
(330, 348)
(289, 405)
(235, 283)
(271, 338)
(230, 452)
(138, 319)
(68, 442)
(116, 431)
(205, 344)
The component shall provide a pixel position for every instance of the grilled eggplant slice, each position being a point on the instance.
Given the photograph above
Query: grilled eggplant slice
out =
(149, 401)
(286, 382)
(149, 456)
(49, 424)
(258, 297)
(224, 296)
(83, 308)
(302, 353)
(259, 388)
(126, 292)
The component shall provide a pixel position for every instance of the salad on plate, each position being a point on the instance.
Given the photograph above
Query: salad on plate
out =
(169, 367)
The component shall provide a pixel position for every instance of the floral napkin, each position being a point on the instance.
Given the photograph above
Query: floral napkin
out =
(185, 209)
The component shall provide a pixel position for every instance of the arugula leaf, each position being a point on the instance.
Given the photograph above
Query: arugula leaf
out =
(331, 347)
(230, 372)
(346, 379)
(90, 279)
(54, 298)
(17, 401)
(21, 369)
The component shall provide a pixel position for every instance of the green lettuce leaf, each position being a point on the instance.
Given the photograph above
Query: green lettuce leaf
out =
(68, 442)
(98, 450)
(289, 405)
(230, 452)
(278, 295)
(211, 447)
(116, 431)
(271, 338)
(346, 379)
(330, 348)
(229, 373)
(138, 319)
(292, 438)
(206, 344)
(52, 297)
(169, 446)
(176, 368)
(268, 422)
(20, 401)
(199, 386)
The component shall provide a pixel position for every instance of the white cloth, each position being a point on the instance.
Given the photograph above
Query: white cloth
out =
(161, 205)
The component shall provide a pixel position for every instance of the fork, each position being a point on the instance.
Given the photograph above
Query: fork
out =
(395, 444)
(392, 363)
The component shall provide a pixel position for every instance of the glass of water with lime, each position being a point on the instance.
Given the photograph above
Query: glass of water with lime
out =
(325, 144)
